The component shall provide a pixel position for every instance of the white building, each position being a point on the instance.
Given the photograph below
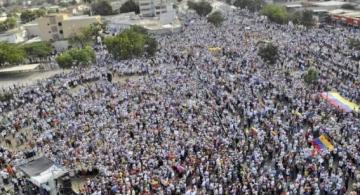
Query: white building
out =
(117, 23)
(16, 35)
(153, 8)
(32, 29)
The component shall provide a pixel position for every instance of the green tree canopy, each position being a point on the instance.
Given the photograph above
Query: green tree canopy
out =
(139, 29)
(311, 76)
(28, 15)
(102, 7)
(354, 43)
(8, 24)
(65, 60)
(307, 18)
(276, 13)
(269, 53)
(131, 43)
(150, 45)
(38, 49)
(130, 6)
(252, 5)
(11, 54)
(77, 57)
(295, 17)
(202, 8)
(87, 36)
(216, 18)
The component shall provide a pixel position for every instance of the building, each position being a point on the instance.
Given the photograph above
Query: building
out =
(16, 35)
(117, 23)
(349, 17)
(32, 29)
(153, 8)
(325, 5)
(44, 176)
(285, 1)
(61, 26)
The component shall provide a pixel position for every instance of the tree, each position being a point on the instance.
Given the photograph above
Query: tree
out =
(76, 57)
(28, 15)
(130, 6)
(252, 5)
(64, 4)
(307, 18)
(269, 53)
(131, 43)
(11, 54)
(87, 35)
(38, 49)
(139, 29)
(64, 60)
(348, 6)
(354, 43)
(311, 76)
(8, 24)
(295, 17)
(102, 8)
(73, 2)
(216, 18)
(6, 96)
(192, 5)
(150, 45)
(202, 8)
(276, 13)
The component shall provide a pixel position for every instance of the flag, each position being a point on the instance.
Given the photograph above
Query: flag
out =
(340, 102)
(322, 143)
(326, 142)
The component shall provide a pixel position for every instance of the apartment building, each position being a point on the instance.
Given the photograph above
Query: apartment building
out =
(153, 8)
(61, 26)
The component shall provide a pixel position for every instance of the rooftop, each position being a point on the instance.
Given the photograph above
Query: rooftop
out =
(293, 6)
(82, 17)
(346, 13)
(328, 3)
(20, 68)
(12, 31)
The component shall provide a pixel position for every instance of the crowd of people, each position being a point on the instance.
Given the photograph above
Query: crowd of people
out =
(202, 122)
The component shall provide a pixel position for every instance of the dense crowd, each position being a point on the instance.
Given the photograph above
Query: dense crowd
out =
(201, 122)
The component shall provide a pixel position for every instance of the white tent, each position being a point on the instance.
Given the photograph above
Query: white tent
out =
(42, 170)
(51, 173)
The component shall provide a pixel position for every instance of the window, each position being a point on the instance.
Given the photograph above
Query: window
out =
(49, 32)
(60, 24)
(61, 31)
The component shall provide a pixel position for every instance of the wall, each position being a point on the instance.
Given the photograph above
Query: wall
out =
(74, 26)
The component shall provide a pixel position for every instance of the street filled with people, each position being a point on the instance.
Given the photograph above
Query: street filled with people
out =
(192, 120)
